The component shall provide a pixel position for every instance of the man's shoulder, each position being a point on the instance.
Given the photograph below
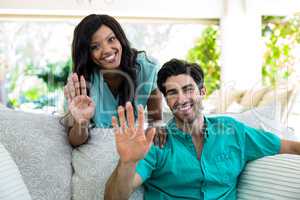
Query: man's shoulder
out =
(221, 119)
(224, 123)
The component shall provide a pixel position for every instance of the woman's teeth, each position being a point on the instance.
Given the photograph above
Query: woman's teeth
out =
(110, 58)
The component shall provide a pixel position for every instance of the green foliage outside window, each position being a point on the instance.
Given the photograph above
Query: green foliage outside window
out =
(281, 36)
(206, 53)
(38, 86)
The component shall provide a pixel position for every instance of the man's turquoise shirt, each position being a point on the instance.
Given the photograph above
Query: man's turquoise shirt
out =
(175, 172)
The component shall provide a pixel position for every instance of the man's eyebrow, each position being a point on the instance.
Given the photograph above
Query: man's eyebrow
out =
(187, 86)
(171, 90)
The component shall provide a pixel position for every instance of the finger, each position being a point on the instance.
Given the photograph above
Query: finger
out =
(121, 113)
(130, 115)
(155, 140)
(71, 88)
(83, 85)
(91, 102)
(165, 136)
(150, 135)
(66, 94)
(76, 84)
(140, 119)
(115, 125)
(161, 138)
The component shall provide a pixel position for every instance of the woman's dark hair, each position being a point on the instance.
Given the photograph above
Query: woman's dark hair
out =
(176, 67)
(84, 65)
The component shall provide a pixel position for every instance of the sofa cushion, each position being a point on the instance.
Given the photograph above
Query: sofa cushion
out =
(40, 148)
(274, 177)
(11, 183)
(252, 97)
(266, 118)
(93, 164)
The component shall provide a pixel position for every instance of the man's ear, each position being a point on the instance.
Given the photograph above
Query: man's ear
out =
(203, 91)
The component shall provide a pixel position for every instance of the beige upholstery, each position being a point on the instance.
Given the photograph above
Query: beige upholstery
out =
(232, 100)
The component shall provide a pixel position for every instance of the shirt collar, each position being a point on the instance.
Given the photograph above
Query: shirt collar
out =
(172, 128)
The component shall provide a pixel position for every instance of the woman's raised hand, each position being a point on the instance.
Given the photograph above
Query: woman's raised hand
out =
(75, 87)
(131, 141)
(81, 106)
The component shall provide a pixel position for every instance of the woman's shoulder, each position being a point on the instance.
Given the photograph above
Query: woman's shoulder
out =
(147, 66)
(144, 59)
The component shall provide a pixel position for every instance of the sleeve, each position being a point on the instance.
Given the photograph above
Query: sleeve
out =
(147, 78)
(259, 143)
(149, 72)
(146, 166)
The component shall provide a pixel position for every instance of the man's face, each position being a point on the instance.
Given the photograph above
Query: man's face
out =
(184, 97)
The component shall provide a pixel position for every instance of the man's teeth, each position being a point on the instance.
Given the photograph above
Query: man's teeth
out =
(185, 107)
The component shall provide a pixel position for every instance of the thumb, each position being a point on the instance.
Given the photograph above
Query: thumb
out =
(150, 135)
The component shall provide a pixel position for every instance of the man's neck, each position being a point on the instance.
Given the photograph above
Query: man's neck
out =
(192, 128)
(196, 130)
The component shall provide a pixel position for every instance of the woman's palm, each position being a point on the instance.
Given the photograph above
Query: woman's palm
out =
(82, 108)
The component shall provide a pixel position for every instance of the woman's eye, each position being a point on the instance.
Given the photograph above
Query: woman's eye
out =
(111, 39)
(95, 47)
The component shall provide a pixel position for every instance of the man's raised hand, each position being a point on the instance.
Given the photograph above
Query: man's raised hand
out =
(131, 141)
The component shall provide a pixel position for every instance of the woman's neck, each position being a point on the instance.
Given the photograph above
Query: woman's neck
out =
(113, 81)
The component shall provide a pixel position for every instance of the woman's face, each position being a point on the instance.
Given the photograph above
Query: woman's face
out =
(106, 49)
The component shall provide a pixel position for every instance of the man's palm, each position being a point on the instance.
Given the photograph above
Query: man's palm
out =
(131, 141)
(133, 146)
(82, 108)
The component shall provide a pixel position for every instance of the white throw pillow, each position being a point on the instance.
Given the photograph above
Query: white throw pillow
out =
(93, 164)
(12, 186)
(274, 177)
(40, 148)
(266, 118)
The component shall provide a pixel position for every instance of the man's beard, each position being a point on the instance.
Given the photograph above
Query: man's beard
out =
(197, 110)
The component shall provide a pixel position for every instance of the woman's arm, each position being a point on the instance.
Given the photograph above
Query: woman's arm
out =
(154, 107)
(78, 134)
(82, 109)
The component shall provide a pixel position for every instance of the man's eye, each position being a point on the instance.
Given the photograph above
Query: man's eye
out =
(189, 89)
(172, 94)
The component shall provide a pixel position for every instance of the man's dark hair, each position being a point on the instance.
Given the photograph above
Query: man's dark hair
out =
(176, 67)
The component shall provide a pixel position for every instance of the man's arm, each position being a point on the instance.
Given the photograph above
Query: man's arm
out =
(123, 181)
(289, 147)
(132, 145)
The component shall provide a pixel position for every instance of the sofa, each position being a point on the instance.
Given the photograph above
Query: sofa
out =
(45, 167)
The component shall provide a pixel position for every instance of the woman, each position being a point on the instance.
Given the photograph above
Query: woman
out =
(107, 73)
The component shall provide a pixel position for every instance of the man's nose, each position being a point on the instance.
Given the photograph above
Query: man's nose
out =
(181, 97)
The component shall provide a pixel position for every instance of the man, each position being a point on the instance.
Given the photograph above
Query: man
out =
(203, 156)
